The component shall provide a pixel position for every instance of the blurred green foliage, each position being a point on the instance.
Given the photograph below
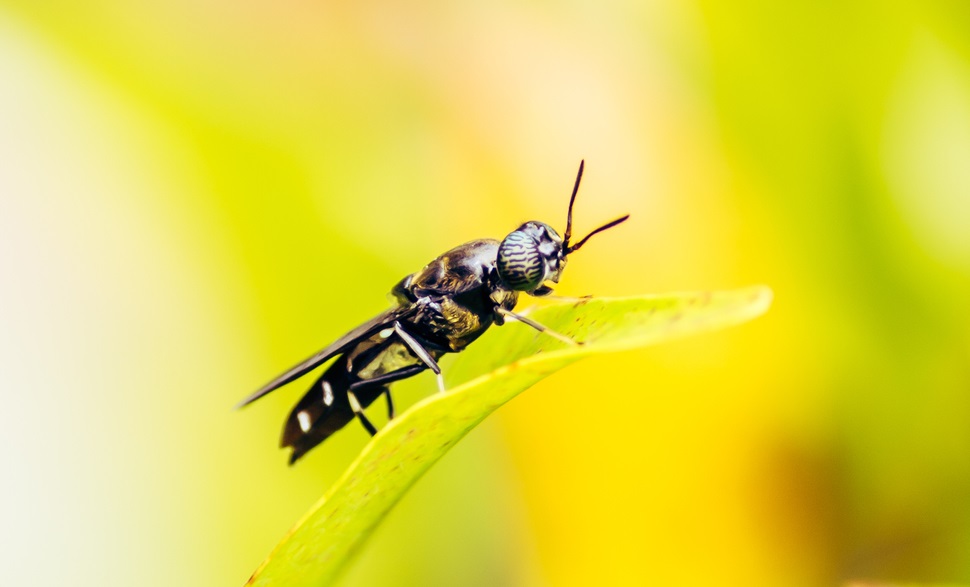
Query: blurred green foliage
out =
(197, 193)
(323, 542)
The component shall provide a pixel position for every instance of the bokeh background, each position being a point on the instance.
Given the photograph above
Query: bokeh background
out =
(196, 194)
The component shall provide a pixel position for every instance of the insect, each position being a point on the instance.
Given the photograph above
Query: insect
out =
(440, 309)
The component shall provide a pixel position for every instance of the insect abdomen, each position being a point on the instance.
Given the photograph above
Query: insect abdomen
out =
(323, 410)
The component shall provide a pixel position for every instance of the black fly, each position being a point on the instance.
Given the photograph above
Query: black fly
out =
(440, 309)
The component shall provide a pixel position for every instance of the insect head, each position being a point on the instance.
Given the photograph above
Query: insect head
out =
(535, 253)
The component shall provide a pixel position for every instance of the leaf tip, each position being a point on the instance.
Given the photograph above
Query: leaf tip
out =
(760, 300)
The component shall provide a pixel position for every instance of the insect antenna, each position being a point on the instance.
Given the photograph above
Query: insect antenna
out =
(569, 219)
(569, 215)
(575, 247)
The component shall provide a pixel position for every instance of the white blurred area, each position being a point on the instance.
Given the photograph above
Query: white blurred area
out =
(94, 305)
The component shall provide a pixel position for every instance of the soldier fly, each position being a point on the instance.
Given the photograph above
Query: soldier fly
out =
(440, 309)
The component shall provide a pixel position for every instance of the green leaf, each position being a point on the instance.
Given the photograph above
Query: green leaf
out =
(507, 361)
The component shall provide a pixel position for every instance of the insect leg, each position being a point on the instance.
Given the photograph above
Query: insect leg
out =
(390, 403)
(536, 325)
(359, 412)
(384, 380)
(421, 352)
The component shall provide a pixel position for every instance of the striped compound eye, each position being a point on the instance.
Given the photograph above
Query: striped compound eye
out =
(519, 263)
(529, 256)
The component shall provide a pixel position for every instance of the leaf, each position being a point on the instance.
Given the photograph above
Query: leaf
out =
(512, 359)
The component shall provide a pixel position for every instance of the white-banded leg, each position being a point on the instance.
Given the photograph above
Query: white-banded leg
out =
(359, 412)
(537, 326)
(421, 352)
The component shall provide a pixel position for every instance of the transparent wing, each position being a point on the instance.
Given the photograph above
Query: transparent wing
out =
(341, 345)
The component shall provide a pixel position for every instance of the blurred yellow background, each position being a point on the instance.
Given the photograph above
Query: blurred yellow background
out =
(196, 194)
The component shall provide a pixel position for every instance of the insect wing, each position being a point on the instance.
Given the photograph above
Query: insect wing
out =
(339, 346)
